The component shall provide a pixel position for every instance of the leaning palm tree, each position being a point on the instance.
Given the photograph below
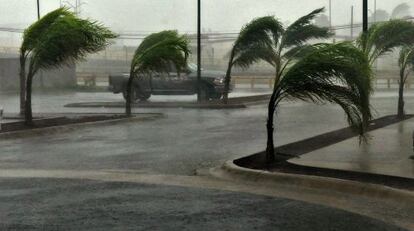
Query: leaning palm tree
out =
(57, 39)
(406, 62)
(154, 55)
(31, 39)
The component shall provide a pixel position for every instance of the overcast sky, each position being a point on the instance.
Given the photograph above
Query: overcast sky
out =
(155, 15)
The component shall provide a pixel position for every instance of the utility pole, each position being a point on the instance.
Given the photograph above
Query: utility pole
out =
(330, 14)
(375, 11)
(352, 22)
(199, 51)
(38, 10)
(365, 15)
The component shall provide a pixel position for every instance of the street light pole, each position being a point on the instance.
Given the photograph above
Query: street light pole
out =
(365, 15)
(198, 50)
(38, 10)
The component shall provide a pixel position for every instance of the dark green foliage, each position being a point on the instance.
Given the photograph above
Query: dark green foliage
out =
(155, 54)
(59, 38)
(335, 73)
(159, 50)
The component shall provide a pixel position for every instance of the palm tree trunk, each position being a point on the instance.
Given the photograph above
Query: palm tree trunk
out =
(270, 148)
(128, 98)
(28, 103)
(400, 113)
(227, 79)
(22, 83)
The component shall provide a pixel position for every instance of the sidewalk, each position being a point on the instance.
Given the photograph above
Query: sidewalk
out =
(387, 153)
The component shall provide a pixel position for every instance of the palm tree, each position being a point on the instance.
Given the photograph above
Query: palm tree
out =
(32, 37)
(335, 73)
(154, 55)
(405, 62)
(57, 39)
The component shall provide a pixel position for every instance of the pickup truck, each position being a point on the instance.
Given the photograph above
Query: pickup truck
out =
(212, 84)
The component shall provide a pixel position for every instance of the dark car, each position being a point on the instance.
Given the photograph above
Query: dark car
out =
(211, 87)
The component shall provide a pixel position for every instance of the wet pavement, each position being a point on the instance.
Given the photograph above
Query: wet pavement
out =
(387, 153)
(182, 142)
(178, 145)
(49, 204)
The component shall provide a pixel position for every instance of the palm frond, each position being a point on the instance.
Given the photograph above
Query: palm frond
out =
(303, 30)
(160, 51)
(336, 73)
(253, 54)
(34, 32)
(384, 37)
(263, 32)
(67, 40)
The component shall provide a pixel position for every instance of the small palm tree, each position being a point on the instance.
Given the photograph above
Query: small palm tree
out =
(405, 62)
(154, 55)
(57, 39)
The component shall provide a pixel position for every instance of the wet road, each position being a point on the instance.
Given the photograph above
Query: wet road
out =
(173, 147)
(49, 204)
(180, 143)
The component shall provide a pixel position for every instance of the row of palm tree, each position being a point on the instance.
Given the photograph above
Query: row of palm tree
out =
(339, 73)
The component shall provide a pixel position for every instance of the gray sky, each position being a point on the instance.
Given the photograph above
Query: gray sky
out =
(155, 15)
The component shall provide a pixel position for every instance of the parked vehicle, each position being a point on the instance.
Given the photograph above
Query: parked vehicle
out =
(212, 84)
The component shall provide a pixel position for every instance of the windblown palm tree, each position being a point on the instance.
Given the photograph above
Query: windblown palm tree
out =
(336, 73)
(406, 62)
(154, 55)
(32, 37)
(57, 39)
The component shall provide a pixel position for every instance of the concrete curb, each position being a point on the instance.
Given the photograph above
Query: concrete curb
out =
(74, 126)
(230, 171)
(158, 105)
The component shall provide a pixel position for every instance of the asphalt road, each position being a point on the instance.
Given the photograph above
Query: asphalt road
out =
(47, 204)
